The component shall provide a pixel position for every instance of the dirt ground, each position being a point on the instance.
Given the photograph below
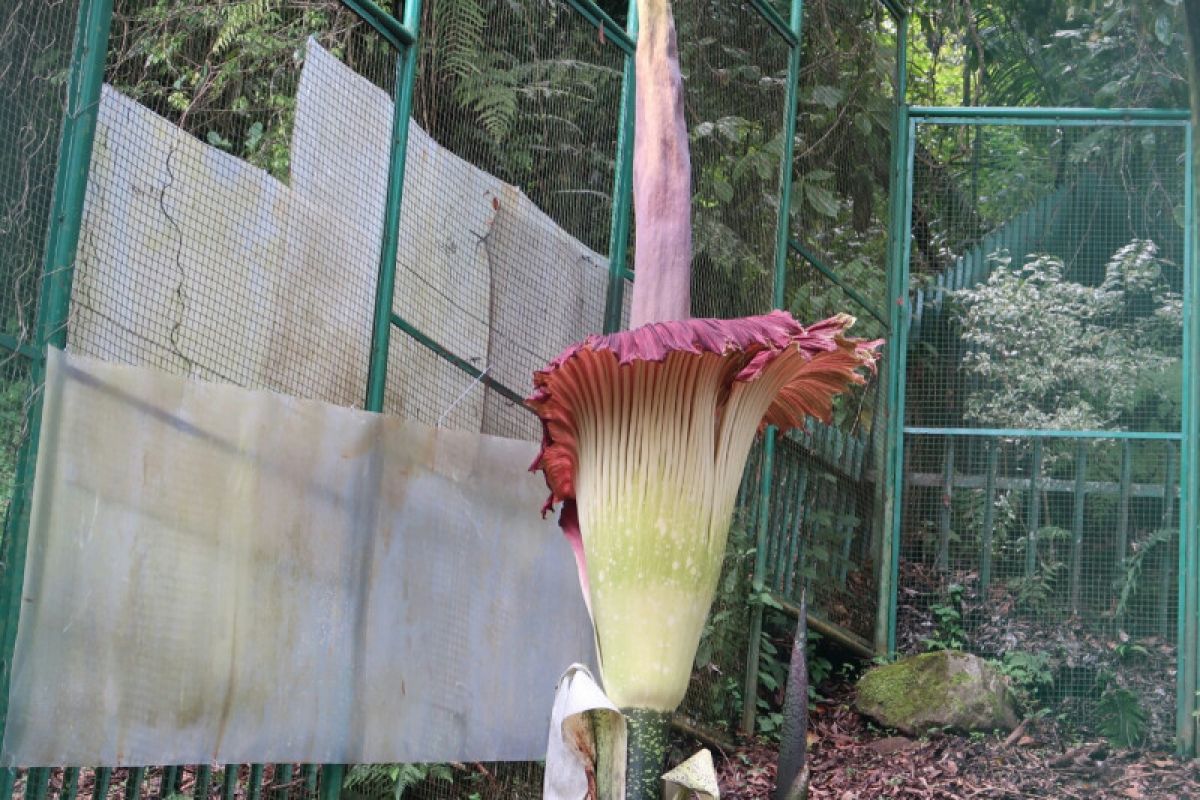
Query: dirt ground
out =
(850, 759)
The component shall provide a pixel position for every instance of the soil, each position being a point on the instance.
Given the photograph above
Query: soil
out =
(850, 759)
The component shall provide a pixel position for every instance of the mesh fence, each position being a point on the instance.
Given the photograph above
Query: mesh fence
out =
(529, 93)
(735, 80)
(35, 51)
(825, 525)
(232, 226)
(1048, 263)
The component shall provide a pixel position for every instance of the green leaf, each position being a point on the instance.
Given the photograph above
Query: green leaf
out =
(828, 96)
(863, 123)
(821, 199)
(1162, 28)
(818, 175)
(723, 190)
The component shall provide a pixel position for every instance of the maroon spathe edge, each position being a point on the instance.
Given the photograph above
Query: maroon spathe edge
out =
(761, 338)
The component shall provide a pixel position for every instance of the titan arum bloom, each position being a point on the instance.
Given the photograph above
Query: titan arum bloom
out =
(646, 432)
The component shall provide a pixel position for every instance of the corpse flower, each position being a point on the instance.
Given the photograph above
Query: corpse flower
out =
(645, 438)
(646, 432)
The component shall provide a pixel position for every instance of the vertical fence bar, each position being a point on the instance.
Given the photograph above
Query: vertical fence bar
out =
(203, 785)
(1165, 571)
(782, 229)
(133, 782)
(70, 788)
(308, 773)
(230, 782)
(281, 781)
(618, 236)
(1032, 511)
(330, 785)
(944, 511)
(1077, 523)
(899, 235)
(170, 778)
(102, 778)
(406, 72)
(254, 787)
(1124, 495)
(989, 517)
(1188, 636)
(70, 184)
(37, 783)
(795, 553)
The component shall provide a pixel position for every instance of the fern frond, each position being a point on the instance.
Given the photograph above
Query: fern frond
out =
(460, 24)
(238, 18)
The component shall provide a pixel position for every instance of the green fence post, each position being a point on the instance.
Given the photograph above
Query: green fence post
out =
(782, 234)
(1032, 511)
(1077, 520)
(900, 227)
(989, 518)
(330, 785)
(1188, 650)
(622, 202)
(385, 286)
(70, 184)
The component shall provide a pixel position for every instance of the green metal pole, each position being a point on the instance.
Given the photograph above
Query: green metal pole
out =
(782, 234)
(783, 223)
(1188, 635)
(1032, 511)
(622, 203)
(70, 184)
(900, 228)
(385, 287)
(1051, 116)
(332, 776)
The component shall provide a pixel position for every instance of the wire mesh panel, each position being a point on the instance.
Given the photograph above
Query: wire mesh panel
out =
(36, 45)
(1047, 273)
(840, 195)
(735, 81)
(735, 71)
(231, 230)
(527, 96)
(824, 514)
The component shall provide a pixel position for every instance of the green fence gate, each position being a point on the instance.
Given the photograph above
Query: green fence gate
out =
(1044, 449)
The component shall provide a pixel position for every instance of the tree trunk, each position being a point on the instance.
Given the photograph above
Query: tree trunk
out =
(791, 777)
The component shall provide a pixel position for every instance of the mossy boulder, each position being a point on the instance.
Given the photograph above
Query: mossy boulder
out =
(942, 689)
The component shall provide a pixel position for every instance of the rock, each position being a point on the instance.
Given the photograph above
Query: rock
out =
(942, 689)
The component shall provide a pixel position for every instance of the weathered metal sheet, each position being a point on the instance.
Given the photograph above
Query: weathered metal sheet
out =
(218, 574)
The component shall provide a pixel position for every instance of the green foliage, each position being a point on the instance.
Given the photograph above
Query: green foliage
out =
(1121, 717)
(1119, 53)
(13, 395)
(1035, 592)
(721, 655)
(949, 633)
(1031, 677)
(391, 781)
(1046, 352)
(228, 72)
(1135, 562)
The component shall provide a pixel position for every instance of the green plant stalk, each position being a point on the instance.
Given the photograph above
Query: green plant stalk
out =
(649, 731)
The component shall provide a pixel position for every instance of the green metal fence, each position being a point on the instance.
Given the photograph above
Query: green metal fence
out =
(117, 233)
(1043, 451)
